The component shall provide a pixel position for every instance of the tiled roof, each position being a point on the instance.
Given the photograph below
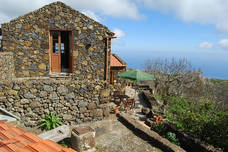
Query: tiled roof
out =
(115, 61)
(15, 139)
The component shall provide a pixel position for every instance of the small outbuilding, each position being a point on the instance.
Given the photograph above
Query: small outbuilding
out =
(117, 65)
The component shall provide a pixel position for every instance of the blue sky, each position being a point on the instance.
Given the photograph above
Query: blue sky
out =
(164, 36)
(150, 29)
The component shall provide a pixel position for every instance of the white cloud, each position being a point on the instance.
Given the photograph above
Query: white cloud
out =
(3, 18)
(201, 11)
(213, 12)
(206, 45)
(92, 15)
(119, 33)
(14, 8)
(115, 8)
(10, 9)
(223, 43)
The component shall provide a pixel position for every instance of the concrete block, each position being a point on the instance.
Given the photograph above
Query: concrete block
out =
(83, 139)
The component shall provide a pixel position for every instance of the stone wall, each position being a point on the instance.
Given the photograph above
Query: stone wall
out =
(6, 66)
(28, 38)
(148, 134)
(74, 101)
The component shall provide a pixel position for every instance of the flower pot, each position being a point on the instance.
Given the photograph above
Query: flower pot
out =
(116, 111)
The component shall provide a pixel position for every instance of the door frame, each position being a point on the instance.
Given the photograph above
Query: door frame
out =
(55, 54)
(71, 48)
(112, 76)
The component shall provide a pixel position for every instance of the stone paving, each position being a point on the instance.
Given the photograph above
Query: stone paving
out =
(113, 136)
(139, 103)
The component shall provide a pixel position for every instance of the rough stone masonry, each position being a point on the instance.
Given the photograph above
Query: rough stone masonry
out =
(74, 101)
(6, 66)
(28, 38)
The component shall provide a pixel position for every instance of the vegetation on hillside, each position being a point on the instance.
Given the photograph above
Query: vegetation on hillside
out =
(202, 118)
(177, 77)
(220, 91)
(193, 102)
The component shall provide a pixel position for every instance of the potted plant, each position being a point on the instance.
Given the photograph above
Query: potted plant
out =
(116, 110)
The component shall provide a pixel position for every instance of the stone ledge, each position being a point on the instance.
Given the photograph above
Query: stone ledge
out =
(149, 135)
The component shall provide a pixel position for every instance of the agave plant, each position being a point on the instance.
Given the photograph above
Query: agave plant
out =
(50, 121)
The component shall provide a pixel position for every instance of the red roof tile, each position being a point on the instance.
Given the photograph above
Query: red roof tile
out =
(15, 139)
(115, 62)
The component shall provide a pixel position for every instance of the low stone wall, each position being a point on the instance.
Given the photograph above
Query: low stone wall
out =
(6, 66)
(149, 135)
(74, 101)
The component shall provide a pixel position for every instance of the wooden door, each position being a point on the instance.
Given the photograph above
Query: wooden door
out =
(55, 51)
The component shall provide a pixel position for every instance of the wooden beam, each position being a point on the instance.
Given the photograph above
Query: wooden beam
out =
(106, 70)
(111, 37)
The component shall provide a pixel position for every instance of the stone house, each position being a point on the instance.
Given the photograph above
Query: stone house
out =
(58, 39)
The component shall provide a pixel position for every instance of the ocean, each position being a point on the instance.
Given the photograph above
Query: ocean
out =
(213, 64)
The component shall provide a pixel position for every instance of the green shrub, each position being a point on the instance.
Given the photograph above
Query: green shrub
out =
(172, 138)
(50, 121)
(200, 118)
(162, 130)
(65, 142)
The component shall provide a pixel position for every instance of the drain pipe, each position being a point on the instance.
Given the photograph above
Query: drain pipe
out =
(10, 114)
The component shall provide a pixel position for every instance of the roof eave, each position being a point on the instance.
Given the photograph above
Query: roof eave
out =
(121, 60)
